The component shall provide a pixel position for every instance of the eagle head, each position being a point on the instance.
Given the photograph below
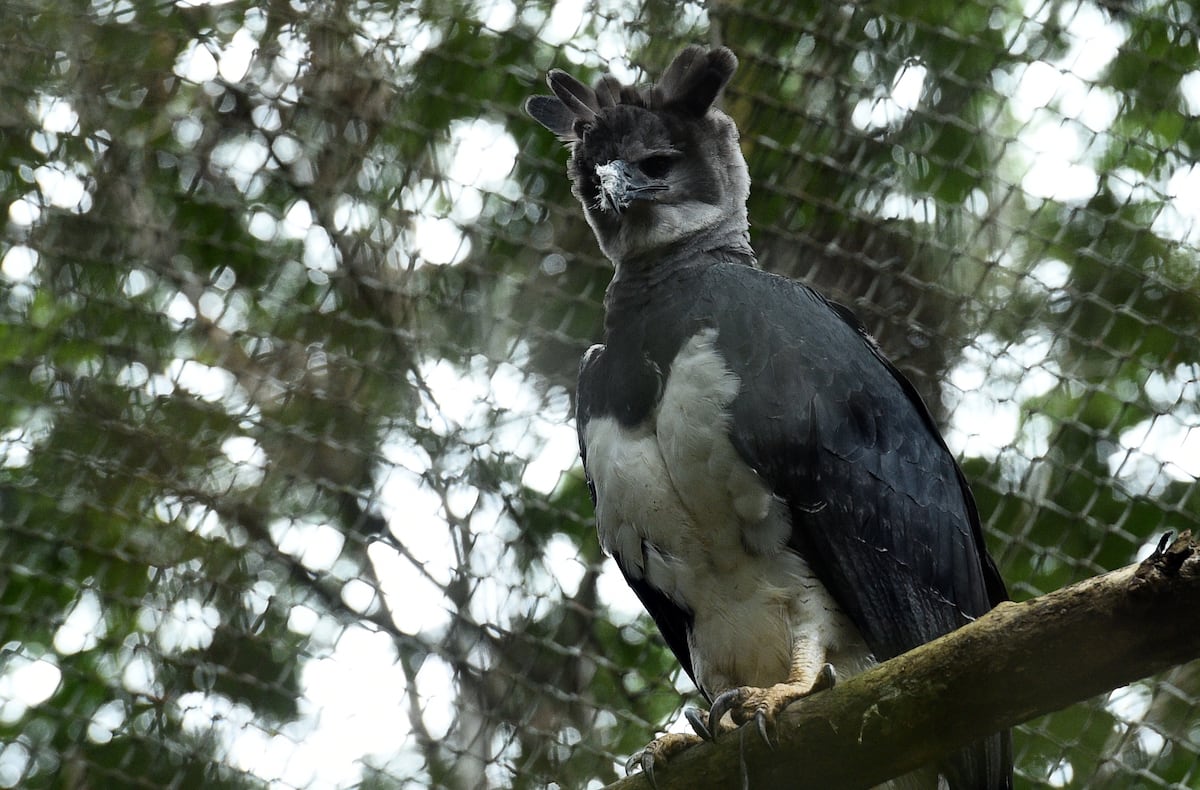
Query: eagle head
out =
(656, 166)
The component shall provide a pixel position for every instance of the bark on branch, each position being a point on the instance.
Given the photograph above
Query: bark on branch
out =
(1020, 661)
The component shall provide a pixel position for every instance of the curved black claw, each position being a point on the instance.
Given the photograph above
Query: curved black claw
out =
(724, 703)
(760, 721)
(699, 721)
(660, 751)
(826, 679)
(644, 759)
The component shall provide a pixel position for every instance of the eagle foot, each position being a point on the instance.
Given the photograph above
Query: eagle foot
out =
(763, 705)
(660, 750)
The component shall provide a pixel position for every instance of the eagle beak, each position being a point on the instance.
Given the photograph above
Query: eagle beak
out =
(621, 184)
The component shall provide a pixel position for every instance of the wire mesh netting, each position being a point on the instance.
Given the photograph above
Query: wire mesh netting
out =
(293, 300)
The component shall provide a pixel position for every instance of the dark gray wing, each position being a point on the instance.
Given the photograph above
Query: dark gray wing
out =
(877, 501)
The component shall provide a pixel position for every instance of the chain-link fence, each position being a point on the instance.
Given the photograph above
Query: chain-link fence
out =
(293, 299)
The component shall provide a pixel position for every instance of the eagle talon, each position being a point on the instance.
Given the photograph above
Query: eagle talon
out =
(699, 721)
(725, 703)
(644, 759)
(762, 706)
(826, 679)
(760, 721)
(660, 750)
(634, 762)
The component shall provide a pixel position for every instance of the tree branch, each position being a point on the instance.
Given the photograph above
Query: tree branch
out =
(1020, 661)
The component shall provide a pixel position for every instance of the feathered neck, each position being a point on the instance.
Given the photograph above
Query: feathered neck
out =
(638, 279)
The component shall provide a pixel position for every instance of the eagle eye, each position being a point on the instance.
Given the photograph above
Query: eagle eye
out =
(656, 166)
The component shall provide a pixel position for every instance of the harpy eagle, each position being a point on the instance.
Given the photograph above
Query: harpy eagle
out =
(770, 485)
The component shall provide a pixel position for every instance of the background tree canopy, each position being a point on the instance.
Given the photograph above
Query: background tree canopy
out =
(292, 301)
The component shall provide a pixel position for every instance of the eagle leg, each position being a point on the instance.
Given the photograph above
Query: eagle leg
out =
(808, 674)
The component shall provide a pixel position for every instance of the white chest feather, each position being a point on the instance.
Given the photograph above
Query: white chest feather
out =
(683, 511)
